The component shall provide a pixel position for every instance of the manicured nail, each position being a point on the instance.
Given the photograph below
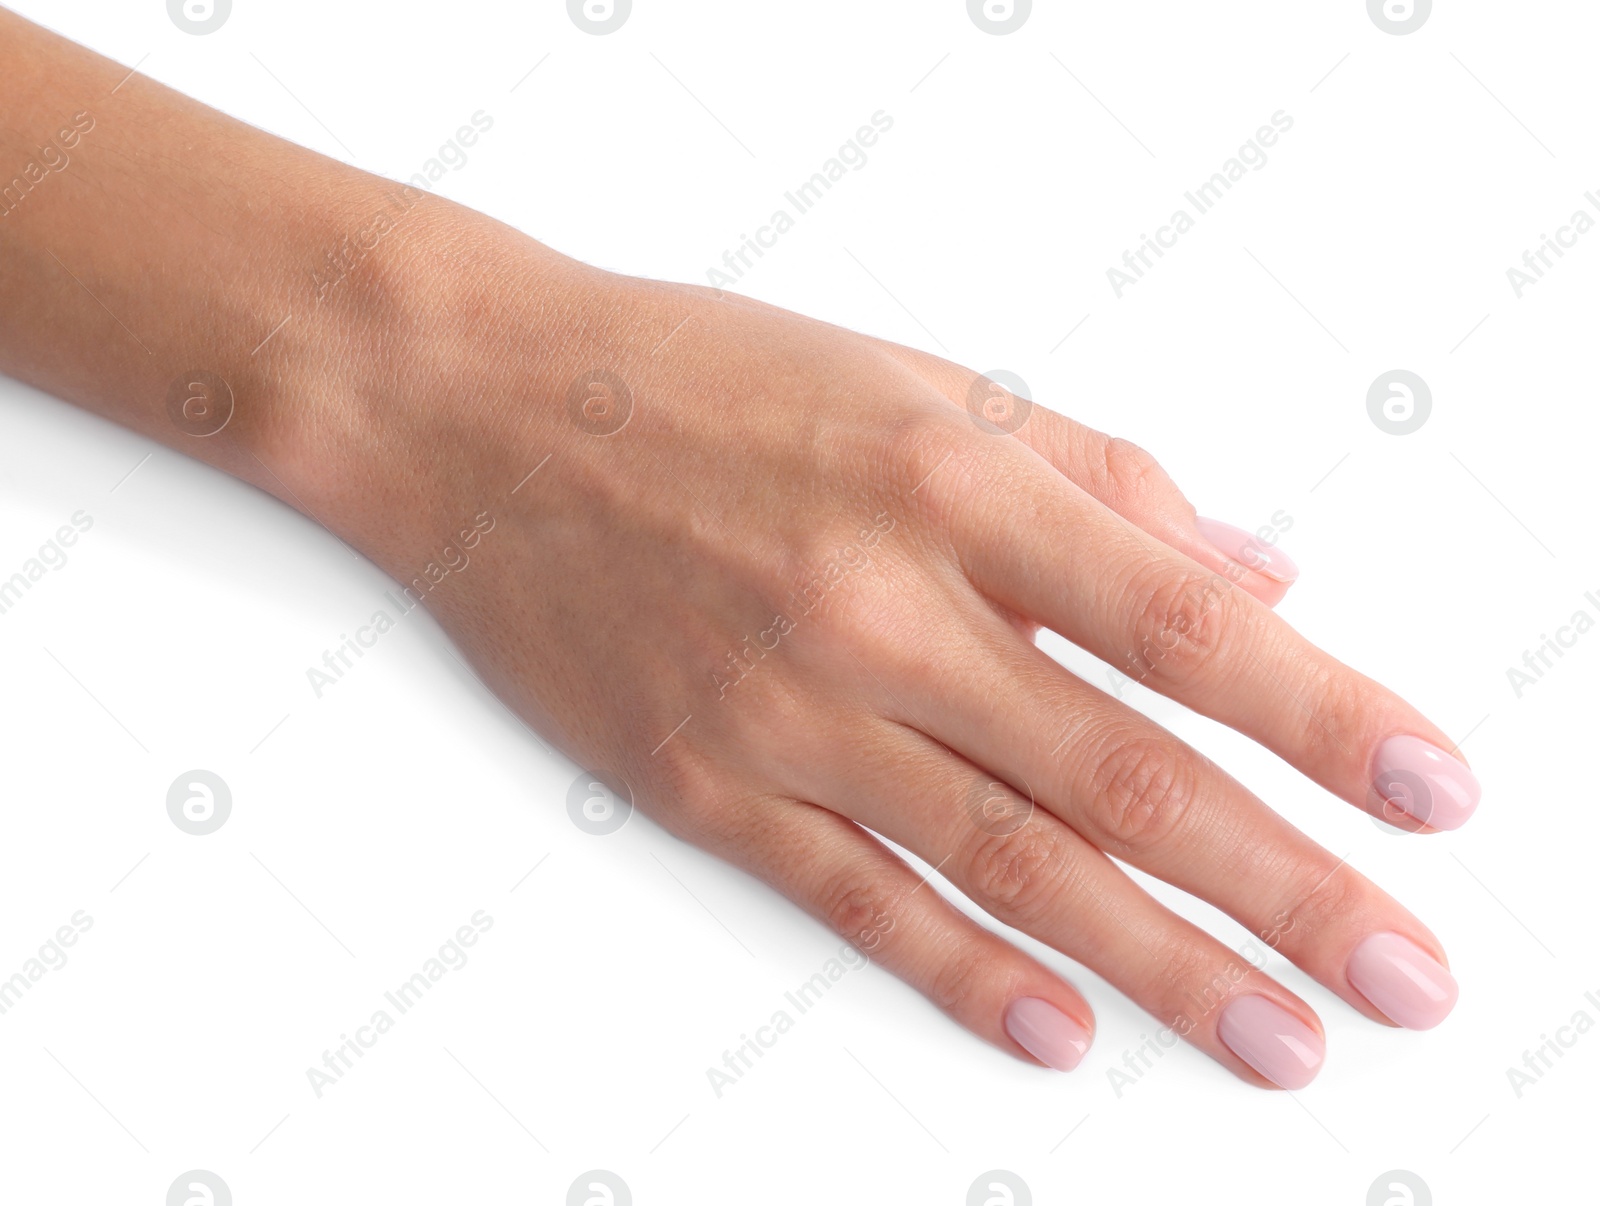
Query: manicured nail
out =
(1417, 778)
(1046, 1033)
(1239, 545)
(1407, 984)
(1271, 1040)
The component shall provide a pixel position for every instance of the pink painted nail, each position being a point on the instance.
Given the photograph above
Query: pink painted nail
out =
(1271, 1040)
(1046, 1033)
(1415, 778)
(1407, 984)
(1239, 545)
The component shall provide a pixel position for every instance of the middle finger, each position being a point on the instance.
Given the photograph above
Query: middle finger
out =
(1144, 796)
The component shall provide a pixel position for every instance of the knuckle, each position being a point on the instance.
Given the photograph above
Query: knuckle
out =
(858, 911)
(763, 709)
(961, 975)
(1131, 473)
(1200, 983)
(1184, 622)
(1018, 876)
(845, 579)
(693, 806)
(1143, 789)
(848, 594)
(919, 441)
(934, 467)
(1336, 902)
(1341, 706)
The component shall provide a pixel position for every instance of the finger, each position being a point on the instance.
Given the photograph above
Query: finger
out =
(1030, 871)
(1122, 476)
(1143, 796)
(886, 912)
(1195, 637)
(1130, 481)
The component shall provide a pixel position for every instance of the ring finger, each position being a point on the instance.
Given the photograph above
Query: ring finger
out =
(1031, 871)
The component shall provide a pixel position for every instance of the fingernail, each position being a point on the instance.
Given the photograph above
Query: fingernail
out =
(1417, 778)
(1241, 546)
(1407, 984)
(1046, 1033)
(1271, 1040)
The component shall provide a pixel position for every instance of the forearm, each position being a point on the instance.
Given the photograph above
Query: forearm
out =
(237, 297)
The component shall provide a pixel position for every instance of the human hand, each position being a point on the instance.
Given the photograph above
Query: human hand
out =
(778, 583)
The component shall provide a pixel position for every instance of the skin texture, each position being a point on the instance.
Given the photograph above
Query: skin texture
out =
(801, 540)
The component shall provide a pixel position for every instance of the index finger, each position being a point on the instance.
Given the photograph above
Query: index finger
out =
(1194, 635)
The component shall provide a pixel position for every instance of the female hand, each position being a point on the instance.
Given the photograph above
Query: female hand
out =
(777, 583)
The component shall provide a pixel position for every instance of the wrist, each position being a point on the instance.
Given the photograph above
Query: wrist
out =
(427, 362)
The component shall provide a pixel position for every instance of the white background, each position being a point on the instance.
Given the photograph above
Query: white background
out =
(370, 824)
